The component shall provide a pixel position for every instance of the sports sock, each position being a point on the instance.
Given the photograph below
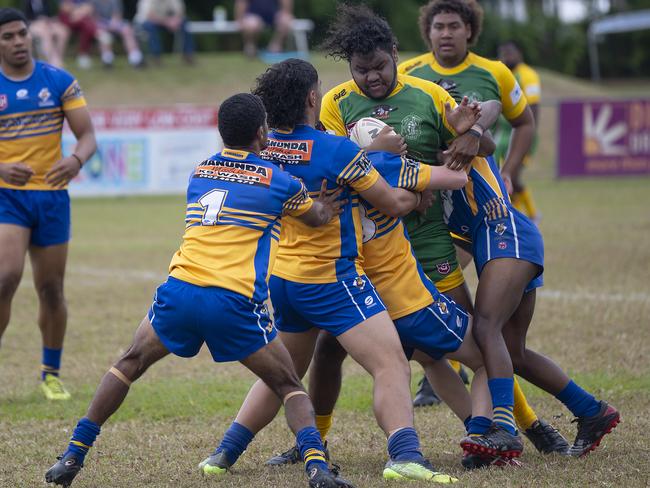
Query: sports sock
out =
(528, 204)
(525, 416)
(311, 448)
(502, 391)
(324, 424)
(581, 403)
(466, 423)
(82, 439)
(478, 425)
(455, 364)
(234, 442)
(51, 362)
(404, 445)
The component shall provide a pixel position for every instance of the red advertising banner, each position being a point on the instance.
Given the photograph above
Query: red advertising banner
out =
(604, 138)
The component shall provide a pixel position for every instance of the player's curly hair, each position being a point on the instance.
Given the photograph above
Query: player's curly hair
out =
(469, 11)
(357, 30)
(283, 89)
(240, 117)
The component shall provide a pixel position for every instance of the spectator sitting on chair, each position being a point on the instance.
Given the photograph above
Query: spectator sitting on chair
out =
(253, 15)
(110, 22)
(78, 16)
(51, 34)
(155, 15)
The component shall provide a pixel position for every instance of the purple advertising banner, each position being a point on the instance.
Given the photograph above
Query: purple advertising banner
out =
(604, 138)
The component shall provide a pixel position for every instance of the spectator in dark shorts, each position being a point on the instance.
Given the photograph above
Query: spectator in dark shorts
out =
(78, 16)
(254, 15)
(51, 35)
(156, 15)
(110, 22)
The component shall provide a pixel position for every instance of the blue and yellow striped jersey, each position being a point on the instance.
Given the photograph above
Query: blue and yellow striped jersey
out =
(388, 257)
(483, 197)
(31, 120)
(331, 252)
(235, 201)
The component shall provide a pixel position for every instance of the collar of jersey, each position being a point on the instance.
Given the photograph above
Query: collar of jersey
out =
(235, 154)
(21, 80)
(288, 132)
(465, 63)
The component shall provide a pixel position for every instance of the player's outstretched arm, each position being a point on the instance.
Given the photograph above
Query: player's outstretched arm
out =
(444, 178)
(325, 207)
(394, 202)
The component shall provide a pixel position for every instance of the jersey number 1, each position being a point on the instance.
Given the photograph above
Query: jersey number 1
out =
(212, 202)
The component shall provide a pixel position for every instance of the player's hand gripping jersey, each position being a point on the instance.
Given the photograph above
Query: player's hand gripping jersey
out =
(478, 78)
(416, 110)
(234, 204)
(329, 253)
(31, 120)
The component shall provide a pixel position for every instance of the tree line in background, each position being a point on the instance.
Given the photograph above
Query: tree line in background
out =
(546, 40)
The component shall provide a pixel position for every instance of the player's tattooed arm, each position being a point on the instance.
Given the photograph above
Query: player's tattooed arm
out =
(325, 207)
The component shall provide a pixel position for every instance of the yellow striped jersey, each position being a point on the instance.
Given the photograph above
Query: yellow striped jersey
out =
(235, 202)
(31, 120)
(331, 252)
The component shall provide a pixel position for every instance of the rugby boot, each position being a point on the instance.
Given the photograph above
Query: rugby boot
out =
(591, 430)
(546, 438)
(64, 470)
(53, 388)
(321, 478)
(415, 470)
(425, 396)
(497, 442)
(475, 461)
(292, 456)
(216, 464)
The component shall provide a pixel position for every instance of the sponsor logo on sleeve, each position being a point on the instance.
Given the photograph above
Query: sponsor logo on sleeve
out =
(515, 94)
(340, 94)
(363, 163)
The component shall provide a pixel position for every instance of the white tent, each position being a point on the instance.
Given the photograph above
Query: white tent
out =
(624, 22)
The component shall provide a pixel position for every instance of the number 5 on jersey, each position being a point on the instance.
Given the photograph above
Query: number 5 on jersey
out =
(212, 202)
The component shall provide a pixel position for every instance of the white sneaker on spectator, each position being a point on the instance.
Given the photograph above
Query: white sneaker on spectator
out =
(84, 61)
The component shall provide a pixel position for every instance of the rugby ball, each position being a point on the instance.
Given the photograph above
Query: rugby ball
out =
(365, 131)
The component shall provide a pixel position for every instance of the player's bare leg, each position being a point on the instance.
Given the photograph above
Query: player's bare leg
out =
(14, 241)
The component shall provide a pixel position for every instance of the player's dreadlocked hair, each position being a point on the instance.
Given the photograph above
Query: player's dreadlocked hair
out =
(240, 117)
(357, 30)
(469, 11)
(283, 89)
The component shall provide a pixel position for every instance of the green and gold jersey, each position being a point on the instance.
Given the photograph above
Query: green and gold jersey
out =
(478, 78)
(415, 109)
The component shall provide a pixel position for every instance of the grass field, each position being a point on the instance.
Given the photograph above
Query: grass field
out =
(592, 317)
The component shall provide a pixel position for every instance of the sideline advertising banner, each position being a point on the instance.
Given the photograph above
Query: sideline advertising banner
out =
(603, 138)
(145, 151)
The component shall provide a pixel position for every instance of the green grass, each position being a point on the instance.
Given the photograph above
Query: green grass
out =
(592, 317)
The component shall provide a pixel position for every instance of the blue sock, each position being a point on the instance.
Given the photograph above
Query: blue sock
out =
(311, 448)
(51, 361)
(581, 403)
(466, 423)
(404, 445)
(503, 401)
(478, 425)
(82, 439)
(235, 441)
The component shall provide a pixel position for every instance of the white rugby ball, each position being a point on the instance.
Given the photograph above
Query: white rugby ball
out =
(366, 130)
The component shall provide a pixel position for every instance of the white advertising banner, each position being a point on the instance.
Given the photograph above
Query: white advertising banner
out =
(145, 151)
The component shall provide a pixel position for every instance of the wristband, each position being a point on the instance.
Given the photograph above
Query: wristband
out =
(81, 164)
(476, 131)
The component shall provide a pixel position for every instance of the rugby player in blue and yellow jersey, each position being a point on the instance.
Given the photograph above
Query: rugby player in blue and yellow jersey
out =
(508, 253)
(35, 98)
(216, 290)
(318, 281)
